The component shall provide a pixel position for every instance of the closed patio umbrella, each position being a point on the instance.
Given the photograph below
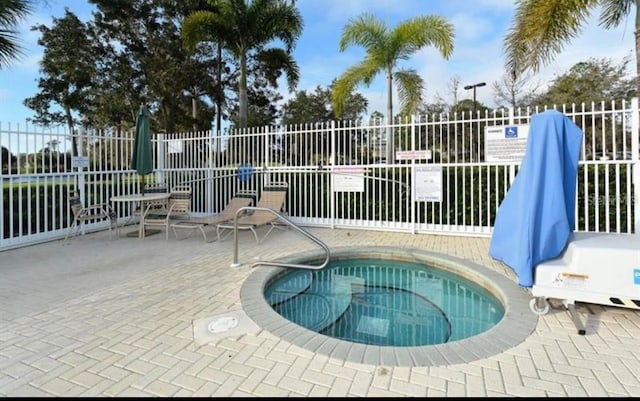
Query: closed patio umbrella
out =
(141, 159)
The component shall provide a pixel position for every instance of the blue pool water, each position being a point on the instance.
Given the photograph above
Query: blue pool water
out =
(384, 302)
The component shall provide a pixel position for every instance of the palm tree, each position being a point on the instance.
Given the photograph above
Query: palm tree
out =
(541, 27)
(385, 48)
(243, 26)
(11, 12)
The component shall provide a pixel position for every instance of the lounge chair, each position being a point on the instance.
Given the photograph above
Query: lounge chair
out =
(178, 207)
(273, 197)
(241, 199)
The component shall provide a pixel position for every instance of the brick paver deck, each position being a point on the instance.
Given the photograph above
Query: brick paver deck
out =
(116, 318)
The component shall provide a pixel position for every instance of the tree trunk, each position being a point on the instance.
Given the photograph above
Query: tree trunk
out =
(242, 91)
(194, 112)
(390, 144)
(637, 48)
(74, 138)
(219, 92)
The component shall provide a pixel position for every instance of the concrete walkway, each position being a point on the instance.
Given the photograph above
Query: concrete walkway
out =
(119, 318)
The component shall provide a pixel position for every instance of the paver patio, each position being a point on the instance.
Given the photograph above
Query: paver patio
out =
(116, 318)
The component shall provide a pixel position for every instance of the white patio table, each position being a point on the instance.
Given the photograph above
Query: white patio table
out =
(142, 198)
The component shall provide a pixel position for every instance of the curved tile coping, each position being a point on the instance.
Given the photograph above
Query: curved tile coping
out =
(516, 325)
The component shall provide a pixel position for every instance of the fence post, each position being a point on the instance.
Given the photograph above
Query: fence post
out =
(80, 171)
(267, 139)
(208, 196)
(635, 155)
(332, 165)
(79, 166)
(512, 167)
(160, 146)
(412, 201)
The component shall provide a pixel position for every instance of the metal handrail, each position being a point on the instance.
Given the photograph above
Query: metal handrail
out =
(291, 224)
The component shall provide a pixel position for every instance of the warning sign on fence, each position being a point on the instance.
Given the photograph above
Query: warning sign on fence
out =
(505, 143)
(348, 179)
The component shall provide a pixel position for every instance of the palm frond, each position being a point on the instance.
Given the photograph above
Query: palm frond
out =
(201, 26)
(363, 72)
(12, 11)
(416, 33)
(540, 30)
(365, 30)
(614, 11)
(9, 48)
(276, 59)
(275, 19)
(410, 86)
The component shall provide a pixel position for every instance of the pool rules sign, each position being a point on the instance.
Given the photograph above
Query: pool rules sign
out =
(427, 183)
(505, 143)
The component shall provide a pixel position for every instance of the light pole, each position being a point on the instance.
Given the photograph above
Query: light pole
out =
(474, 86)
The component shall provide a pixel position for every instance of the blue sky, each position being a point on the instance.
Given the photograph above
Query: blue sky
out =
(480, 26)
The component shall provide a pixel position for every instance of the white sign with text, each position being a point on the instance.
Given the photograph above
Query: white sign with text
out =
(413, 155)
(348, 179)
(427, 183)
(505, 143)
(80, 161)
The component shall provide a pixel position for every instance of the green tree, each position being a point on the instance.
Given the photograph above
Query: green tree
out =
(594, 80)
(245, 28)
(7, 159)
(67, 70)
(307, 106)
(143, 61)
(314, 109)
(262, 112)
(262, 99)
(385, 48)
(11, 13)
(468, 107)
(542, 27)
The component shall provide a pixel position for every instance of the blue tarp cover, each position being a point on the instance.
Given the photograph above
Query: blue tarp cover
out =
(536, 216)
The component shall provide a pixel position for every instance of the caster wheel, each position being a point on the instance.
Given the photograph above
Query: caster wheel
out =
(539, 306)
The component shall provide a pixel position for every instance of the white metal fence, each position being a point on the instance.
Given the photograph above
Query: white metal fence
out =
(337, 172)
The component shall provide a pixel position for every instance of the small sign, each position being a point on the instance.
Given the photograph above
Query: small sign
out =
(427, 183)
(505, 143)
(511, 132)
(174, 146)
(80, 161)
(636, 276)
(571, 280)
(348, 179)
(413, 155)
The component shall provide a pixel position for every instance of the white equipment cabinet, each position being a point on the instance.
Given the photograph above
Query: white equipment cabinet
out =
(600, 268)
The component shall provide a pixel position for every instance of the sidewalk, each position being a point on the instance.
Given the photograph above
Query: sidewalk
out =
(116, 318)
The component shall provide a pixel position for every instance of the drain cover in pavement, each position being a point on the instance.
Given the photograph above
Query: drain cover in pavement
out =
(222, 324)
(229, 324)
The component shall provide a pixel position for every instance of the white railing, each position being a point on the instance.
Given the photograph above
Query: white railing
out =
(336, 172)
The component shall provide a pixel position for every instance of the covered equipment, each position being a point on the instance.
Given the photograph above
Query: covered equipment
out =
(536, 217)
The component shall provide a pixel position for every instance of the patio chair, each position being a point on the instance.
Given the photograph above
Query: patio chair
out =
(241, 199)
(89, 214)
(150, 188)
(273, 197)
(177, 207)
